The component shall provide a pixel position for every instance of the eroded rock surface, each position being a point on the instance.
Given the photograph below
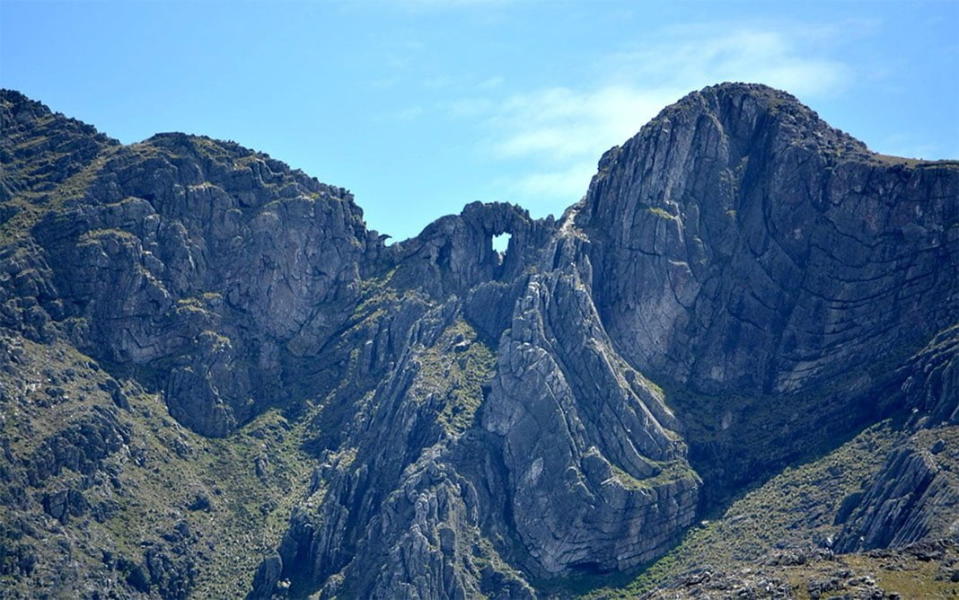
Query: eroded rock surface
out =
(743, 245)
(741, 286)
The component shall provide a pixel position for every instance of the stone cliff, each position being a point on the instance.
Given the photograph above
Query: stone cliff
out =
(742, 288)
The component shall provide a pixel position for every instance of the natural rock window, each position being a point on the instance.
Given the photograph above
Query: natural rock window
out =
(501, 242)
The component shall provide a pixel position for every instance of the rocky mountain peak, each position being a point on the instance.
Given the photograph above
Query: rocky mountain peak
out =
(750, 118)
(740, 185)
(199, 340)
(742, 108)
(40, 149)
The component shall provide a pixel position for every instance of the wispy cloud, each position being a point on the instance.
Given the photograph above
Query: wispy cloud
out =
(778, 57)
(555, 183)
(560, 132)
(491, 83)
(560, 124)
(905, 144)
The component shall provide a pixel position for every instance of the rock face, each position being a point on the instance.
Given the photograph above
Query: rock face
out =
(742, 244)
(151, 262)
(742, 283)
(905, 502)
(597, 477)
(741, 247)
(916, 495)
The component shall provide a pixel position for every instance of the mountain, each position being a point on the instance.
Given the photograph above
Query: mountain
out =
(732, 366)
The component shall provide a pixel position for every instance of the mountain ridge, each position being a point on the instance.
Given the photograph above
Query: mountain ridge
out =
(740, 284)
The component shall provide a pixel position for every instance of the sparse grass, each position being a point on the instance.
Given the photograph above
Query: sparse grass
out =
(452, 373)
(792, 510)
(95, 234)
(161, 473)
(33, 205)
(907, 576)
(919, 581)
(659, 212)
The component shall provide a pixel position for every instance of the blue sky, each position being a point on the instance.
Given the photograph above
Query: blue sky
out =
(420, 106)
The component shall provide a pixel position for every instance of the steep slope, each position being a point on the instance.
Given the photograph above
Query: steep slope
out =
(194, 272)
(437, 419)
(216, 262)
(743, 248)
(742, 244)
(106, 496)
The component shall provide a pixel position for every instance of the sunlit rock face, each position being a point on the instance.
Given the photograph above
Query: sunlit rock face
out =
(742, 244)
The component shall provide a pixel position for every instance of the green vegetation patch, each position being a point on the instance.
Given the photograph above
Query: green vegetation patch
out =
(452, 373)
(794, 510)
(233, 495)
(659, 212)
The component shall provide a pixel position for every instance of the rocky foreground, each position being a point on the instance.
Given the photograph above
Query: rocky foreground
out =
(731, 370)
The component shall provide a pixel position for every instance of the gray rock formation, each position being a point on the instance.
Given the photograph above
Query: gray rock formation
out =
(588, 443)
(202, 256)
(743, 245)
(742, 285)
(931, 386)
(744, 249)
(916, 494)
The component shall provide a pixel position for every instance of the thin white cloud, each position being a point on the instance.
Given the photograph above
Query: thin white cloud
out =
(774, 57)
(560, 132)
(904, 144)
(555, 183)
(437, 83)
(559, 124)
(470, 107)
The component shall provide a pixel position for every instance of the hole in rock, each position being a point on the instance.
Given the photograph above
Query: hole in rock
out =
(500, 242)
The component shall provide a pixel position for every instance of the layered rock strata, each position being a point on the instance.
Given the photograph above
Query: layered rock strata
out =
(741, 285)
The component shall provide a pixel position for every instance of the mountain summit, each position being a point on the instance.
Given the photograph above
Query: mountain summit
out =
(215, 381)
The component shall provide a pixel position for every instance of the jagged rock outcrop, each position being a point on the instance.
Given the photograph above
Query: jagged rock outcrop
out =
(455, 253)
(597, 477)
(747, 254)
(916, 494)
(743, 245)
(931, 385)
(41, 150)
(203, 256)
(741, 284)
